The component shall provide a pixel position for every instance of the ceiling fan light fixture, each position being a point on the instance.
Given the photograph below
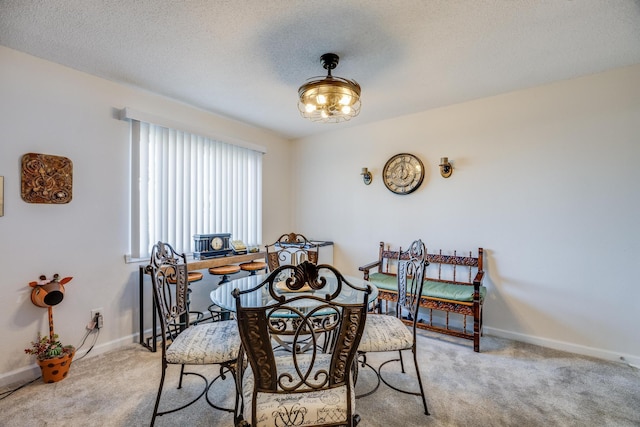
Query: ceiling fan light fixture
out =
(330, 99)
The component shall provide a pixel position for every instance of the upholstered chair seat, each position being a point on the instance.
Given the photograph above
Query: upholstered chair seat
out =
(316, 407)
(385, 333)
(206, 343)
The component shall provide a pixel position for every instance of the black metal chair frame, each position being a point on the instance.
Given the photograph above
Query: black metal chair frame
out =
(168, 271)
(410, 275)
(331, 326)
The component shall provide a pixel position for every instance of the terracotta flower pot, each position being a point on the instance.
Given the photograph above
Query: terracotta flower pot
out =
(56, 368)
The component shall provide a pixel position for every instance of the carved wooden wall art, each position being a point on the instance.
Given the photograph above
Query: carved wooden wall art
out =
(46, 178)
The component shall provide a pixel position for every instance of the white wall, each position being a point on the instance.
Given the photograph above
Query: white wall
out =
(46, 108)
(546, 180)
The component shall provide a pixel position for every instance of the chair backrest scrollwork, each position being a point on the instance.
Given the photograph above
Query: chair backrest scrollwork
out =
(306, 338)
(411, 270)
(169, 278)
(291, 249)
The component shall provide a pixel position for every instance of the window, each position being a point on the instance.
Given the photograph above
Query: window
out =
(185, 184)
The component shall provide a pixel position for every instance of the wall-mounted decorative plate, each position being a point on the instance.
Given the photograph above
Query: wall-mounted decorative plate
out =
(46, 178)
(403, 173)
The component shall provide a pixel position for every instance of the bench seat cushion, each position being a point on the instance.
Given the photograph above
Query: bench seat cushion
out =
(449, 291)
(384, 281)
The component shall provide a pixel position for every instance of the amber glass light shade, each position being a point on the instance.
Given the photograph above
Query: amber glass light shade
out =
(329, 99)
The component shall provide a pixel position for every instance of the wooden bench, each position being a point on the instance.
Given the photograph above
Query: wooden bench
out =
(453, 284)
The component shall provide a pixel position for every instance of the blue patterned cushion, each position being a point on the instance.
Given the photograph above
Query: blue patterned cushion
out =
(206, 343)
(311, 408)
(385, 333)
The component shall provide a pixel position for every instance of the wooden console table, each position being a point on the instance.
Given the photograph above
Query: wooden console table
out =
(150, 342)
(201, 264)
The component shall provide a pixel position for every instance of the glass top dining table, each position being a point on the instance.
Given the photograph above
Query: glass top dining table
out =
(222, 295)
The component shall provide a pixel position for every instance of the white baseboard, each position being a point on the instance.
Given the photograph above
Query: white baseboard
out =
(108, 346)
(565, 346)
(28, 373)
(25, 374)
(16, 377)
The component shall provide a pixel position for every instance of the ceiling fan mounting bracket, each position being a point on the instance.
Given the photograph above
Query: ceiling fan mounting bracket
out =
(329, 61)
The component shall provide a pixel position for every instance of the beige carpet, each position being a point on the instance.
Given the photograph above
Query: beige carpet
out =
(508, 384)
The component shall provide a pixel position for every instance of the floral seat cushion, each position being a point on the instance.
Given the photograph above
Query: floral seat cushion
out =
(206, 343)
(385, 333)
(305, 408)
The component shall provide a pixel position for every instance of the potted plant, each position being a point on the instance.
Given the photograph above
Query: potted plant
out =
(53, 358)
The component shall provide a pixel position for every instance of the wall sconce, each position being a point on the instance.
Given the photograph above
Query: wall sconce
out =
(446, 169)
(366, 176)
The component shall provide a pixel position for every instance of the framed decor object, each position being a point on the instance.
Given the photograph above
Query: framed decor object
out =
(1, 195)
(46, 179)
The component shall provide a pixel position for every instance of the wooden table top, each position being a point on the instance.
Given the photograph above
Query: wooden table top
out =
(201, 264)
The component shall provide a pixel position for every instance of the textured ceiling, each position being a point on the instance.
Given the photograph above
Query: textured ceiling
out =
(245, 59)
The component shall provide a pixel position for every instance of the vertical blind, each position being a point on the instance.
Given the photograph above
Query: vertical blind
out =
(189, 184)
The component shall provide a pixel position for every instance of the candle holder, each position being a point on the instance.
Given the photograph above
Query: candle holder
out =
(446, 169)
(366, 176)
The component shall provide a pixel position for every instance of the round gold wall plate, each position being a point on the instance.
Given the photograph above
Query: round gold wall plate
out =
(403, 173)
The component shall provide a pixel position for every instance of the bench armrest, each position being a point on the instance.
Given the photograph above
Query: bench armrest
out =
(478, 278)
(477, 282)
(365, 268)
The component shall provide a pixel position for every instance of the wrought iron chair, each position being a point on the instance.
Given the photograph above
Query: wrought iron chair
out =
(216, 343)
(387, 333)
(291, 249)
(311, 383)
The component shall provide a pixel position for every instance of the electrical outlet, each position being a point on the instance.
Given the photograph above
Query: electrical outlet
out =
(100, 313)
